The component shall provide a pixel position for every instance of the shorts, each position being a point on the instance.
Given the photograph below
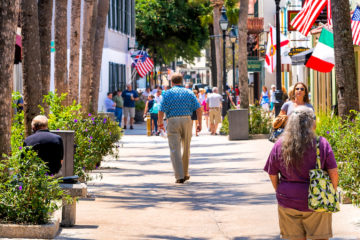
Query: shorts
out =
(215, 115)
(129, 111)
(296, 224)
(194, 116)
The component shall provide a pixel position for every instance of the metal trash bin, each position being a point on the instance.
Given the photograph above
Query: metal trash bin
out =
(238, 124)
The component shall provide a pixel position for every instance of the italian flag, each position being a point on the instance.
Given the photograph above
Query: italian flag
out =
(322, 58)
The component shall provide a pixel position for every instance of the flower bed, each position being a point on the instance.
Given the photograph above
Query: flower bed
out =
(343, 135)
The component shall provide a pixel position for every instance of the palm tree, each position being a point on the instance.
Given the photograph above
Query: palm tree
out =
(74, 51)
(243, 76)
(61, 80)
(345, 71)
(45, 8)
(217, 4)
(31, 61)
(87, 60)
(9, 10)
(103, 9)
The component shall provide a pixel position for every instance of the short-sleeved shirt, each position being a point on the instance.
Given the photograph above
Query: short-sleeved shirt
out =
(119, 101)
(109, 104)
(293, 186)
(214, 100)
(289, 107)
(127, 98)
(179, 101)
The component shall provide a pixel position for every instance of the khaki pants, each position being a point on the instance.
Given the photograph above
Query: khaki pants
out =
(215, 115)
(179, 135)
(296, 224)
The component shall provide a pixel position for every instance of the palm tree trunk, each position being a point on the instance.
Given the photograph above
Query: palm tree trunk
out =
(31, 61)
(61, 80)
(9, 10)
(103, 9)
(345, 71)
(243, 73)
(213, 58)
(87, 60)
(45, 9)
(74, 51)
(217, 39)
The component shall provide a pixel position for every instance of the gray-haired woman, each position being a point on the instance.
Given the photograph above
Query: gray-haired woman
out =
(288, 166)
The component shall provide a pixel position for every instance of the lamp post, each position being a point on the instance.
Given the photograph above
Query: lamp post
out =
(233, 38)
(278, 92)
(224, 25)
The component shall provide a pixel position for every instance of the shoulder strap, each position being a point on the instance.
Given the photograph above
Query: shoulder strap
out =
(318, 162)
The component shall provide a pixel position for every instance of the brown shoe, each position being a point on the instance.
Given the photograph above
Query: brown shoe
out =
(186, 178)
(180, 180)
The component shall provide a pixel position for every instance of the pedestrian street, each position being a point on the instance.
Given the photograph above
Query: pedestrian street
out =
(228, 195)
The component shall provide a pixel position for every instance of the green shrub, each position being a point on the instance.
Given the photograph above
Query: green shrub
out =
(259, 121)
(28, 195)
(17, 127)
(139, 105)
(343, 135)
(224, 130)
(95, 135)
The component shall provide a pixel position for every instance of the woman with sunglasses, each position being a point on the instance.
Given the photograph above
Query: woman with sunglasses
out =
(300, 98)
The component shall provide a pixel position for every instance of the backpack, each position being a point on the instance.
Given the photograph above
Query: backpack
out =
(155, 108)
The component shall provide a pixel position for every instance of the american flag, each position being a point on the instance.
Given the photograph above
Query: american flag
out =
(355, 26)
(142, 63)
(329, 15)
(308, 15)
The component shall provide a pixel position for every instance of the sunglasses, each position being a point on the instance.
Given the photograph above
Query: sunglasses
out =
(300, 89)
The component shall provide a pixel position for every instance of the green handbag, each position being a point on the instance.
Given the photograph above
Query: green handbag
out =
(322, 195)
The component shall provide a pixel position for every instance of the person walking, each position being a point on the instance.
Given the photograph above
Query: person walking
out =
(129, 96)
(214, 101)
(109, 103)
(119, 106)
(272, 98)
(205, 110)
(178, 104)
(298, 97)
(265, 99)
(194, 115)
(291, 158)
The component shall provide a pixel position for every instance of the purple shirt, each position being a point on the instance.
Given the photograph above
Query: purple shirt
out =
(293, 186)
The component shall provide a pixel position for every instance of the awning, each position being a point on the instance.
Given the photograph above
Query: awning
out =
(301, 58)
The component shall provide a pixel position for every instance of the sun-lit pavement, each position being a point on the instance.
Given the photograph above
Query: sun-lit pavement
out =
(227, 197)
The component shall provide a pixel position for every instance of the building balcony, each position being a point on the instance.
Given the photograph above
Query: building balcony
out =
(255, 25)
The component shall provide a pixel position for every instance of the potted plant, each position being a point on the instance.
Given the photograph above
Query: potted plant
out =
(139, 111)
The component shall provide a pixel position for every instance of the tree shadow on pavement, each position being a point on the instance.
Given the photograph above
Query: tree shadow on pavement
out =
(171, 237)
(193, 195)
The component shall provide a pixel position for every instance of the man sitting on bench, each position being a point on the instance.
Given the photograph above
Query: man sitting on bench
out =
(49, 146)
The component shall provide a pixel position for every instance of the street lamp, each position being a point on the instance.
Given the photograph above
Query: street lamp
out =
(224, 25)
(278, 92)
(233, 38)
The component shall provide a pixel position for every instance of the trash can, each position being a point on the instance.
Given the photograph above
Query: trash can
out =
(238, 124)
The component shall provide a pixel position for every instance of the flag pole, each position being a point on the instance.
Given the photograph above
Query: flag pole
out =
(278, 92)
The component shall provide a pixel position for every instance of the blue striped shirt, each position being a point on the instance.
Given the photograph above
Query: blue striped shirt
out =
(178, 101)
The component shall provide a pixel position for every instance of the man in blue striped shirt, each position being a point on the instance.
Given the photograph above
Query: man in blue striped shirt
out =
(178, 104)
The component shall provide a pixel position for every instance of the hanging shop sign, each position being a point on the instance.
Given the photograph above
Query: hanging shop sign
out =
(294, 51)
(254, 66)
(291, 15)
